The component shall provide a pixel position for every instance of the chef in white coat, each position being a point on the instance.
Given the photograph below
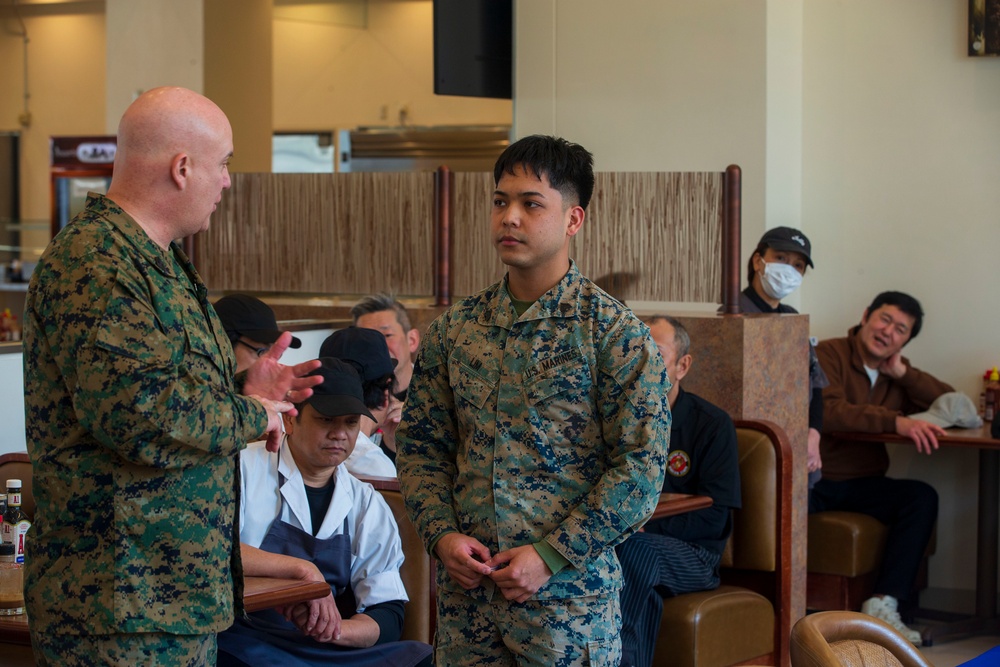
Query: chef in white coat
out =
(303, 516)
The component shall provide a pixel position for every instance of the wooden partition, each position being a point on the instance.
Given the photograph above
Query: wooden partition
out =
(322, 234)
(651, 236)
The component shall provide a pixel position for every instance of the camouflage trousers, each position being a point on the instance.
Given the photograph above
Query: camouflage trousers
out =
(148, 649)
(577, 632)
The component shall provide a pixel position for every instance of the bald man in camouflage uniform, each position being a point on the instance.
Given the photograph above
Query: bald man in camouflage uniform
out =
(133, 418)
(534, 436)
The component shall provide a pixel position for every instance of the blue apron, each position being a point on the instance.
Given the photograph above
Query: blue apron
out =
(267, 638)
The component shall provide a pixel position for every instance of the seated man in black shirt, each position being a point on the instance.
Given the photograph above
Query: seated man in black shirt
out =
(680, 554)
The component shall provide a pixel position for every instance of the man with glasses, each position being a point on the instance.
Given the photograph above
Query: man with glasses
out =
(251, 327)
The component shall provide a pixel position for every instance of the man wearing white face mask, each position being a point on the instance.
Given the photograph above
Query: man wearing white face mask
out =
(774, 271)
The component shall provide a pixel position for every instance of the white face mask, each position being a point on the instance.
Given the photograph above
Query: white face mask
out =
(780, 280)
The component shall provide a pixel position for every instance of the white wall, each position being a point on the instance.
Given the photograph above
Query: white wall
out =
(311, 340)
(901, 142)
(783, 186)
(649, 85)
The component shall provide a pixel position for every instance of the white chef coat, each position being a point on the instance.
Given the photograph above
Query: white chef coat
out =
(368, 459)
(376, 551)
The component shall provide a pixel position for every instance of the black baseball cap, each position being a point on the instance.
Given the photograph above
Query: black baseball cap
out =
(789, 240)
(366, 348)
(340, 392)
(244, 315)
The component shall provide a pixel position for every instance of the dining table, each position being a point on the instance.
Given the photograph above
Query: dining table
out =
(672, 504)
(266, 592)
(984, 620)
(258, 593)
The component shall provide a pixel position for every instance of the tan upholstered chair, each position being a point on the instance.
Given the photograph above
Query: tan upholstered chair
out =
(747, 619)
(844, 554)
(845, 551)
(417, 572)
(17, 465)
(850, 639)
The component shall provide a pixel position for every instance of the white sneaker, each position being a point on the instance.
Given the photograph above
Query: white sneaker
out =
(886, 609)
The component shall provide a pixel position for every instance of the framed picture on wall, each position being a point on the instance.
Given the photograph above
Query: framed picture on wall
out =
(984, 27)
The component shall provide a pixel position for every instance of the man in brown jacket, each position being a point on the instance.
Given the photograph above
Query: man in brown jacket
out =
(872, 390)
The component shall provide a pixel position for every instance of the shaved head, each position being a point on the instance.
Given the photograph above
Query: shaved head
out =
(171, 164)
(164, 121)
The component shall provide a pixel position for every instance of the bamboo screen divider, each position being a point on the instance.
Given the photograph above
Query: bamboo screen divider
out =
(658, 234)
(470, 234)
(322, 234)
(649, 236)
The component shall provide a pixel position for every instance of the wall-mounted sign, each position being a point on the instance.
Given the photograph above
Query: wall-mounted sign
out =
(85, 152)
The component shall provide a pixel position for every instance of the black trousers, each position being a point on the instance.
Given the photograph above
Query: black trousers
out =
(907, 506)
(656, 567)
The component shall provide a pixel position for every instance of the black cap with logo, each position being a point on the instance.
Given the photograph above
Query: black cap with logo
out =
(789, 240)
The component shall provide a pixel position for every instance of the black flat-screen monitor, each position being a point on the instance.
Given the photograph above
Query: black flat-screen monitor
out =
(473, 48)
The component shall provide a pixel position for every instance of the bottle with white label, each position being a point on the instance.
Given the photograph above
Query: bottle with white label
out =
(15, 522)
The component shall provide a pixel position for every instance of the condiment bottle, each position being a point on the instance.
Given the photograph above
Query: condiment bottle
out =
(11, 582)
(15, 521)
(992, 395)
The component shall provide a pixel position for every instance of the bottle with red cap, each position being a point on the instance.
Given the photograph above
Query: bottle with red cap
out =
(992, 400)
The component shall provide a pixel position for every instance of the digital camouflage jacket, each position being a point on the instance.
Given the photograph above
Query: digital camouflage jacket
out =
(133, 428)
(553, 426)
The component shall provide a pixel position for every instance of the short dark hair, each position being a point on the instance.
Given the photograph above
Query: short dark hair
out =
(373, 391)
(760, 249)
(905, 303)
(377, 303)
(682, 340)
(569, 167)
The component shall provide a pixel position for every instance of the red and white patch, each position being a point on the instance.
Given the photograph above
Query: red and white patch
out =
(678, 464)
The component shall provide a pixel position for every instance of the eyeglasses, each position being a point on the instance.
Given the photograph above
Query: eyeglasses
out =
(260, 351)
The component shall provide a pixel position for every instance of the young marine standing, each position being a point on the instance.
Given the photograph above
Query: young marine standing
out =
(534, 435)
